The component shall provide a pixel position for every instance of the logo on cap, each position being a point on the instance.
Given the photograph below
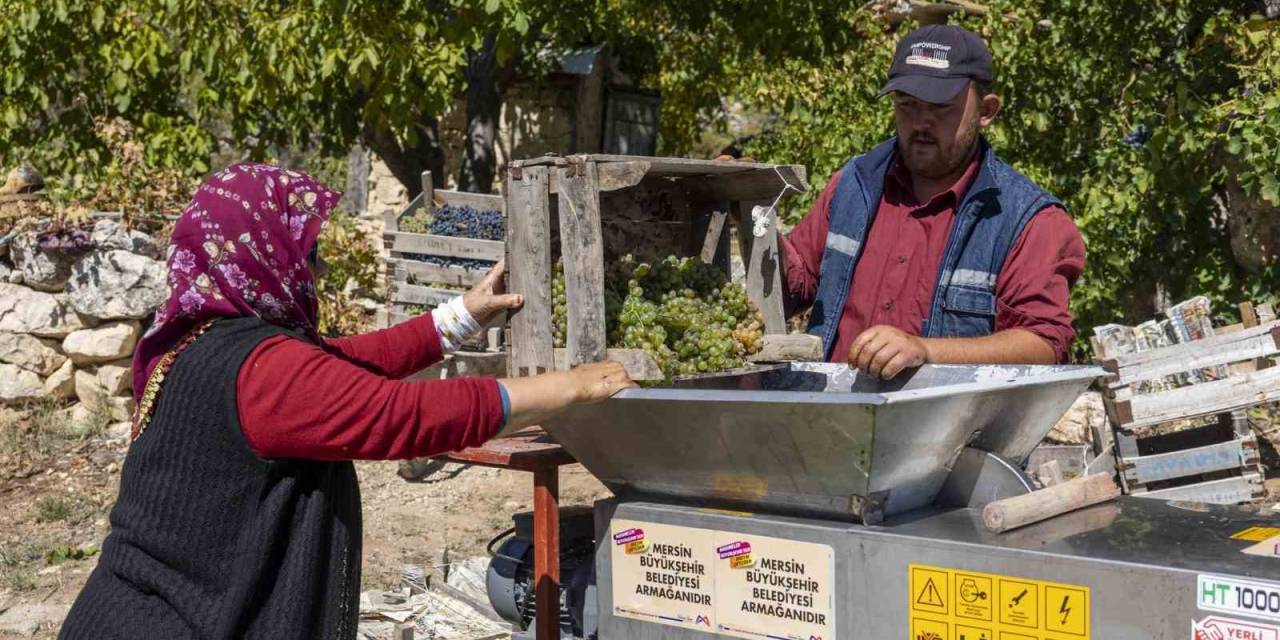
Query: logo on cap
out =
(930, 54)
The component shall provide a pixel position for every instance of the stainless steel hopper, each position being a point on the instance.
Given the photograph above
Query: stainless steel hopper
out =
(815, 439)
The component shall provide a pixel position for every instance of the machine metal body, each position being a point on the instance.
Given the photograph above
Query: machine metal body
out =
(806, 502)
(1141, 562)
(816, 440)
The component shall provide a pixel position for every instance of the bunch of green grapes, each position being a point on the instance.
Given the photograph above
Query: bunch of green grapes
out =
(685, 314)
(559, 307)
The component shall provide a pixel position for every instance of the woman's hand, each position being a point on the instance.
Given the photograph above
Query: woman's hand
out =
(489, 297)
(597, 381)
(535, 398)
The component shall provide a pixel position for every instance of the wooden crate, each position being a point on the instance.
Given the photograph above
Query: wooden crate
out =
(575, 197)
(1212, 456)
(410, 281)
(1174, 465)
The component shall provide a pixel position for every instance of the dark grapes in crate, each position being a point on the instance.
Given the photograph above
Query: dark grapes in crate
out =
(455, 222)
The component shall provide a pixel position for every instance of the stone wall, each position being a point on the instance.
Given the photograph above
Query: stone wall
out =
(71, 316)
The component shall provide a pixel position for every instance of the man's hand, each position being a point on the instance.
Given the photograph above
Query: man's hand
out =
(489, 297)
(885, 351)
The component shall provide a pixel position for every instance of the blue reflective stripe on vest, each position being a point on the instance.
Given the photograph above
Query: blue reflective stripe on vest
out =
(989, 220)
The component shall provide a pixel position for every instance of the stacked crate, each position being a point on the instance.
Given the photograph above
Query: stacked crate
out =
(562, 207)
(1179, 410)
(414, 284)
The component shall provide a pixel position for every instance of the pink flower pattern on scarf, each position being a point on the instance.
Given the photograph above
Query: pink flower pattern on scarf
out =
(240, 249)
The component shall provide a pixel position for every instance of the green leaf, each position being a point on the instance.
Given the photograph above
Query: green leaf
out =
(329, 64)
(99, 17)
(492, 6)
(1270, 189)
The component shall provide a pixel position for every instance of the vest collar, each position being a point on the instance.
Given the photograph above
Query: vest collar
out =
(873, 167)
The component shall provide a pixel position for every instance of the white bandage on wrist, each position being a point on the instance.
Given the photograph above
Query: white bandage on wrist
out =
(454, 324)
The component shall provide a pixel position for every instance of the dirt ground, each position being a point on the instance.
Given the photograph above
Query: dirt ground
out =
(56, 487)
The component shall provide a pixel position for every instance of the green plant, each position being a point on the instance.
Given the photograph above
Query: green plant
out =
(15, 559)
(352, 264)
(60, 508)
(61, 553)
(18, 579)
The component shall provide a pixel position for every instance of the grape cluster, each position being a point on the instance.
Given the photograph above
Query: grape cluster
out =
(685, 314)
(1138, 137)
(456, 222)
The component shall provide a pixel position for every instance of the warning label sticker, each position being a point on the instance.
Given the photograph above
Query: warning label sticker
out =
(1256, 534)
(951, 604)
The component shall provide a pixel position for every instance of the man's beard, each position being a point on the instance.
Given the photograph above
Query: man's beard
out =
(942, 162)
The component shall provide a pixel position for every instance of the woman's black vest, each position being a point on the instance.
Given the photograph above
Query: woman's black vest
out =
(209, 541)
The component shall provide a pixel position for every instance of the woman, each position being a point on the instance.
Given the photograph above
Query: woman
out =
(239, 511)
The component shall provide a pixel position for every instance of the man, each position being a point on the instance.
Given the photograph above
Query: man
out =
(928, 248)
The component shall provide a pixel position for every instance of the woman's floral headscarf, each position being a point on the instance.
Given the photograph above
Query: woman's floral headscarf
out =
(240, 249)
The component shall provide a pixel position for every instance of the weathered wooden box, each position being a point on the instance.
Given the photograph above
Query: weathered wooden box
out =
(1194, 442)
(589, 210)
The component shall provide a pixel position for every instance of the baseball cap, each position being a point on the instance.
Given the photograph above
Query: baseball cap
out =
(936, 62)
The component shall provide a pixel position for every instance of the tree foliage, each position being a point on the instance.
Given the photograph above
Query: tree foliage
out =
(1138, 115)
(196, 77)
(1143, 117)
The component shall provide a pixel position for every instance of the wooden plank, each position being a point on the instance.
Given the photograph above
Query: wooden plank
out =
(582, 251)
(417, 294)
(1071, 459)
(1167, 466)
(1203, 399)
(529, 269)
(660, 166)
(588, 122)
(1226, 491)
(477, 201)
(447, 246)
(438, 274)
(756, 184)
(637, 362)
(612, 176)
(796, 347)
(1255, 342)
(525, 450)
(761, 258)
(1248, 317)
(412, 207)
(715, 234)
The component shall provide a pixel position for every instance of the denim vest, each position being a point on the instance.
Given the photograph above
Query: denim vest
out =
(988, 222)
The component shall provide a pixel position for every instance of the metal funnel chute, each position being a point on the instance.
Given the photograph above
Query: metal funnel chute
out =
(816, 439)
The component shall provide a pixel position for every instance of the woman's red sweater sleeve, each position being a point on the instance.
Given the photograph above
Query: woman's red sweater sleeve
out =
(397, 352)
(297, 400)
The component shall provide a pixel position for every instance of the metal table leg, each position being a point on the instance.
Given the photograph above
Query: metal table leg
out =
(546, 551)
